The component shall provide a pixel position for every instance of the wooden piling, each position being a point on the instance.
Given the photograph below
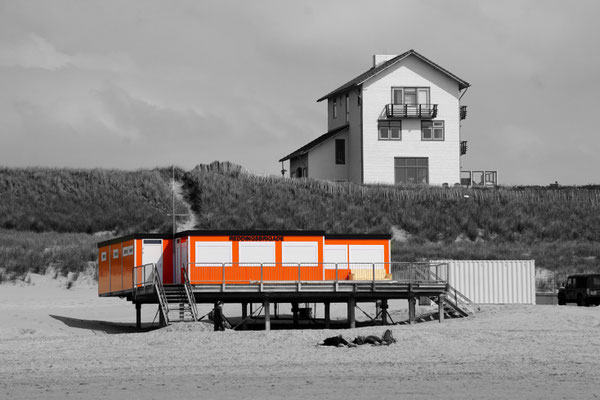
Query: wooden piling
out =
(352, 313)
(267, 309)
(244, 315)
(412, 302)
(441, 307)
(327, 315)
(384, 312)
(295, 314)
(138, 315)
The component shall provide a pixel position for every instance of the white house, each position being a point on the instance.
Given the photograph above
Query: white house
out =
(397, 123)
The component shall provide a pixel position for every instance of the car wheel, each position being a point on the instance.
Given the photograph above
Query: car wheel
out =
(580, 301)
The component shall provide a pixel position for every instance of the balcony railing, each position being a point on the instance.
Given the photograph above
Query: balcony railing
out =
(463, 112)
(411, 110)
(479, 178)
(463, 147)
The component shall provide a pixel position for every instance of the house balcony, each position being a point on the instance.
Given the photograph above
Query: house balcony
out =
(425, 111)
(479, 178)
(463, 112)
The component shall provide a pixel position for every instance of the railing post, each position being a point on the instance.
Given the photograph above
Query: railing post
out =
(336, 272)
(223, 273)
(373, 265)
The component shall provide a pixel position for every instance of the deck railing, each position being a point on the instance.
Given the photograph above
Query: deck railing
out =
(478, 178)
(411, 110)
(144, 275)
(244, 273)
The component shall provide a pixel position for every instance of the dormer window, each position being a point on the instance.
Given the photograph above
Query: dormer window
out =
(410, 95)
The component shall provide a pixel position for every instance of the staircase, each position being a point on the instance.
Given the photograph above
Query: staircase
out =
(456, 304)
(182, 295)
(177, 305)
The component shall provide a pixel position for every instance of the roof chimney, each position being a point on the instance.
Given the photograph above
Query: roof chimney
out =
(381, 58)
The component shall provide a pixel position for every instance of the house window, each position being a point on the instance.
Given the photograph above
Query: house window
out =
(410, 95)
(347, 107)
(432, 130)
(411, 171)
(103, 256)
(334, 108)
(389, 129)
(340, 151)
(116, 253)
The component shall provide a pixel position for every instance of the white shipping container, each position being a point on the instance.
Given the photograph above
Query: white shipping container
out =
(493, 281)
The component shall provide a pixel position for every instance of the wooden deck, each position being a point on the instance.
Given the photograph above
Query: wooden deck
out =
(313, 291)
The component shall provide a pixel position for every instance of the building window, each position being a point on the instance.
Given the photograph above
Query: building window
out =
(389, 129)
(410, 95)
(103, 256)
(347, 107)
(340, 151)
(334, 108)
(299, 172)
(432, 130)
(116, 253)
(411, 171)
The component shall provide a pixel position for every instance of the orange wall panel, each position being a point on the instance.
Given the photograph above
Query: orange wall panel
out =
(103, 271)
(116, 267)
(128, 263)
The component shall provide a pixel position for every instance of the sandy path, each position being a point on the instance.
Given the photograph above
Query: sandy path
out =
(529, 352)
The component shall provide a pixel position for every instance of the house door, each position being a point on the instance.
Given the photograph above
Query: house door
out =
(152, 252)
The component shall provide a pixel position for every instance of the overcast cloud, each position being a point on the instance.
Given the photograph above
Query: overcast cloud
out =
(131, 84)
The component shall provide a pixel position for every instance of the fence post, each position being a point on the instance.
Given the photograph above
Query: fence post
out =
(261, 272)
(299, 272)
(336, 272)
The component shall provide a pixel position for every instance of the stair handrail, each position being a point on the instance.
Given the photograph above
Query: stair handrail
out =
(160, 292)
(455, 298)
(189, 292)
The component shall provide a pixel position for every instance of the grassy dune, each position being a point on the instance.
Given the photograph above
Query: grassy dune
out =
(53, 218)
(558, 227)
(64, 210)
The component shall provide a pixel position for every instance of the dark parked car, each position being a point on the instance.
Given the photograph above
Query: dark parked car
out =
(583, 289)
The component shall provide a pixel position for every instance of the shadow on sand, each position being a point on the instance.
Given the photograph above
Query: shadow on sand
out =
(104, 326)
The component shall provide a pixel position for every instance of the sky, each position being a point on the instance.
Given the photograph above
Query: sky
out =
(135, 84)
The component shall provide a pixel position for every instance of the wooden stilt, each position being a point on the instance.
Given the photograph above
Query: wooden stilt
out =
(161, 317)
(327, 315)
(267, 309)
(138, 315)
(295, 314)
(244, 315)
(351, 313)
(441, 307)
(384, 311)
(412, 302)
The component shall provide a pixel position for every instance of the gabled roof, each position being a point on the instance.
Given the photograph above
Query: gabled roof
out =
(359, 80)
(304, 149)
